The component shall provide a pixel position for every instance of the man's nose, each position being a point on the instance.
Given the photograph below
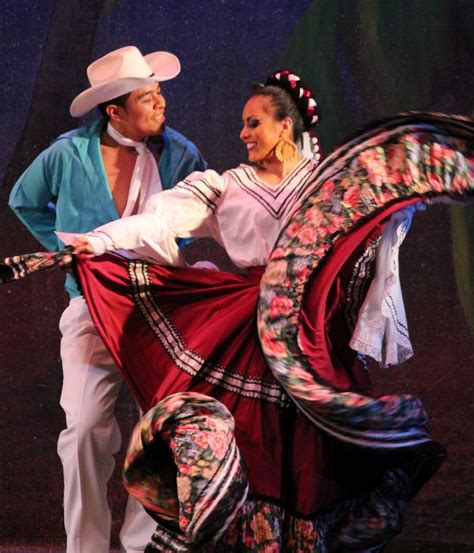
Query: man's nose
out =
(160, 100)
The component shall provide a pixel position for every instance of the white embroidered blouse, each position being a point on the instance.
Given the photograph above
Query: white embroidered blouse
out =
(237, 209)
(245, 215)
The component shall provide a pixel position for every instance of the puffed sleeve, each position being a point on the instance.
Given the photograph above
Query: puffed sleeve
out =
(185, 211)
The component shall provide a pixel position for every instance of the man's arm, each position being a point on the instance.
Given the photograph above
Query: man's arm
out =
(195, 160)
(179, 159)
(190, 161)
(29, 200)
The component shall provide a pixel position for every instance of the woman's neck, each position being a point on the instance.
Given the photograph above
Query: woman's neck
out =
(273, 171)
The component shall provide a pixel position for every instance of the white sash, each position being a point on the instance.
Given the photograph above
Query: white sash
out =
(145, 179)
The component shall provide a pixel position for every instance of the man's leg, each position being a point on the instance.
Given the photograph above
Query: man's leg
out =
(86, 447)
(137, 529)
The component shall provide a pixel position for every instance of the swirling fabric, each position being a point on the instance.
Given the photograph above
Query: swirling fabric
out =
(20, 266)
(416, 156)
(198, 431)
(328, 466)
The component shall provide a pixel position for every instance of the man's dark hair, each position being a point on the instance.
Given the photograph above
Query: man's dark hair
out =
(119, 101)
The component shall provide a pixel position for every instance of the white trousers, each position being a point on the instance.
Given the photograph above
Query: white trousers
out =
(87, 446)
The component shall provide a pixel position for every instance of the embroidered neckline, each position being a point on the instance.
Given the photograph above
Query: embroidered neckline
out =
(276, 201)
(302, 163)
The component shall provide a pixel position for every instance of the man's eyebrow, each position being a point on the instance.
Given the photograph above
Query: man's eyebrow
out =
(143, 94)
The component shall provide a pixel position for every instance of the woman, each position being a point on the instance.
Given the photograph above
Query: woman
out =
(223, 459)
(244, 210)
(208, 204)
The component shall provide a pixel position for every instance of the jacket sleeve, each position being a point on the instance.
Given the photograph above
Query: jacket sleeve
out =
(197, 162)
(32, 199)
(191, 161)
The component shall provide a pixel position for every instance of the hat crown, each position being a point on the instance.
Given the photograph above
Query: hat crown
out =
(120, 72)
(124, 63)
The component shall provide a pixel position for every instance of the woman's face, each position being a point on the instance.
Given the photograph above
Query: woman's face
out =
(261, 131)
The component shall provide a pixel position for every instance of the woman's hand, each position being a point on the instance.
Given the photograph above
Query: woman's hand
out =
(82, 245)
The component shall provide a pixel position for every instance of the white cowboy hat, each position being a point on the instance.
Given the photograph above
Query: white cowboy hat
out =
(120, 72)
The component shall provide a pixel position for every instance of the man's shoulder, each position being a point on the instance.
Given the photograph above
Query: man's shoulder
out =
(73, 144)
(176, 139)
(76, 136)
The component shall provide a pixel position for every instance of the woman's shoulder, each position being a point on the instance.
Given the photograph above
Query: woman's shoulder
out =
(205, 182)
(239, 173)
(242, 168)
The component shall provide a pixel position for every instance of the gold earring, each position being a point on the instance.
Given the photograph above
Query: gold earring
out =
(285, 150)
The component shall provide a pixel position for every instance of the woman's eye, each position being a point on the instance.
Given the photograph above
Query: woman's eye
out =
(253, 123)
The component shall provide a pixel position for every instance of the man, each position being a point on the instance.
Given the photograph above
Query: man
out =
(86, 178)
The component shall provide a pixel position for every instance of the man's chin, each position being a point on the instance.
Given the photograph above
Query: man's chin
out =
(159, 131)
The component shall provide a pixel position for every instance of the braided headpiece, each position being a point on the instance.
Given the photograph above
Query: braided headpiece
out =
(301, 94)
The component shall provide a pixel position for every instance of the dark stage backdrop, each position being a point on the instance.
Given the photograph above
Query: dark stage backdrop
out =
(366, 59)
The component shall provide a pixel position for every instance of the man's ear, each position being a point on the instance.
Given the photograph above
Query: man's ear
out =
(114, 112)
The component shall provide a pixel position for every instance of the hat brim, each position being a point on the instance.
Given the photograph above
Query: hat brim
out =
(165, 66)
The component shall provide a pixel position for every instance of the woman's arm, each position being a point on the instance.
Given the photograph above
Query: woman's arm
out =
(188, 210)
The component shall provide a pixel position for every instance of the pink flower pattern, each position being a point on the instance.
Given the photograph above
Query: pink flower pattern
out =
(415, 155)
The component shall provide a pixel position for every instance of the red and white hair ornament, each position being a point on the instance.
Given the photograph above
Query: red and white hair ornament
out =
(307, 106)
(301, 94)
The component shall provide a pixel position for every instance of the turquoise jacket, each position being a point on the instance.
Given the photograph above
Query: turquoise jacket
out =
(65, 188)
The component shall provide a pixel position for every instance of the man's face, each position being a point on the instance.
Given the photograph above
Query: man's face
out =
(144, 113)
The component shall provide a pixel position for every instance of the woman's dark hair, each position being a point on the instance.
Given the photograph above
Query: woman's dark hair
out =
(119, 101)
(284, 106)
(291, 97)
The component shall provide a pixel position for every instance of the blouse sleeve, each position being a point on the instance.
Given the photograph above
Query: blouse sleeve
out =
(185, 211)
